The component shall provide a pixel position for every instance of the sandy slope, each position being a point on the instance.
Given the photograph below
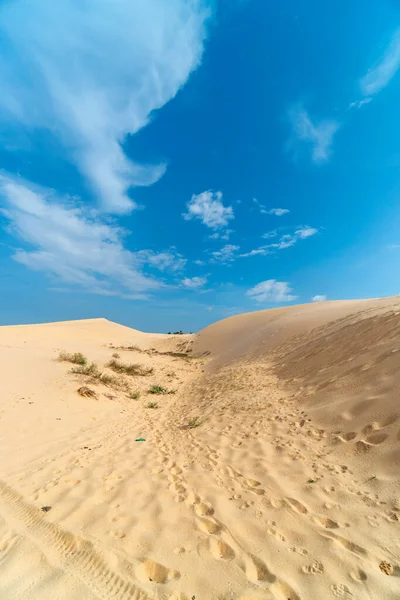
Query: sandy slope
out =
(289, 489)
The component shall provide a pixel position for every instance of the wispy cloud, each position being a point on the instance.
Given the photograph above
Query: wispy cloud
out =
(260, 206)
(305, 232)
(163, 261)
(193, 283)
(222, 235)
(262, 251)
(317, 135)
(270, 234)
(271, 291)
(285, 241)
(319, 298)
(77, 246)
(209, 209)
(278, 212)
(94, 72)
(360, 103)
(226, 255)
(379, 76)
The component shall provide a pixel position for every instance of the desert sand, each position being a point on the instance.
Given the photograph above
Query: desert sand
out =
(271, 472)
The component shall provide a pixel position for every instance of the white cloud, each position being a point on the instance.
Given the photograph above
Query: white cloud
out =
(163, 261)
(226, 255)
(75, 245)
(194, 283)
(278, 212)
(305, 232)
(261, 207)
(383, 72)
(222, 235)
(199, 262)
(94, 72)
(360, 103)
(257, 251)
(271, 291)
(318, 136)
(209, 209)
(285, 241)
(270, 234)
(319, 298)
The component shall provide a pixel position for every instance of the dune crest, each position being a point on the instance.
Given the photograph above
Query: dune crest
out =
(255, 460)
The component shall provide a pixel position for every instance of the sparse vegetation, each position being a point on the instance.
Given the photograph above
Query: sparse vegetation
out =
(115, 355)
(77, 358)
(134, 395)
(97, 376)
(128, 348)
(133, 369)
(91, 370)
(86, 392)
(107, 379)
(152, 405)
(158, 389)
(194, 422)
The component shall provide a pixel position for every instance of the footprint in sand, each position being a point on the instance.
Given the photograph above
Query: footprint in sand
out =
(149, 570)
(377, 438)
(316, 568)
(347, 544)
(257, 571)
(341, 591)
(208, 526)
(221, 550)
(297, 506)
(347, 437)
(326, 522)
(359, 575)
(202, 509)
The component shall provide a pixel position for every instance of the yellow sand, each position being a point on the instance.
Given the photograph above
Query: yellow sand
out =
(288, 488)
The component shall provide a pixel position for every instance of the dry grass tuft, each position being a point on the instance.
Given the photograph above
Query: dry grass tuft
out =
(77, 358)
(132, 369)
(86, 392)
(91, 370)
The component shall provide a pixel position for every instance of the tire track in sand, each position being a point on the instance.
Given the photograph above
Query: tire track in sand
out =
(65, 550)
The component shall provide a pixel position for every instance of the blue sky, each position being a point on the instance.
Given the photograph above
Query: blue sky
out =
(166, 164)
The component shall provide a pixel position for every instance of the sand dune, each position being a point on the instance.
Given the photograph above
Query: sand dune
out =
(270, 473)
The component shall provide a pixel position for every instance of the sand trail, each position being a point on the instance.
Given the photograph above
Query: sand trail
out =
(259, 478)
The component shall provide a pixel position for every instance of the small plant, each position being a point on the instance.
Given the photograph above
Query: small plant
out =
(115, 355)
(194, 422)
(91, 370)
(132, 370)
(77, 358)
(107, 379)
(311, 481)
(134, 395)
(158, 389)
(152, 405)
(86, 392)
